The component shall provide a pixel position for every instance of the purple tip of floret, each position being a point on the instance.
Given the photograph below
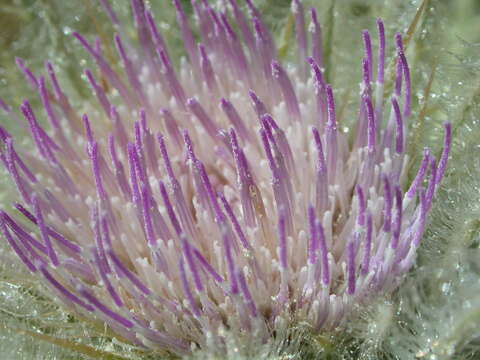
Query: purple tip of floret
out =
(282, 239)
(231, 267)
(408, 91)
(398, 78)
(321, 165)
(366, 75)
(323, 253)
(53, 79)
(18, 250)
(362, 205)
(351, 268)
(9, 161)
(317, 73)
(187, 253)
(317, 51)
(46, 104)
(207, 69)
(209, 268)
(397, 223)
(368, 245)
(381, 51)
(63, 290)
(398, 126)
(258, 105)
(124, 271)
(332, 121)
(205, 120)
(387, 207)
(187, 290)
(27, 72)
(189, 146)
(108, 9)
(88, 129)
(431, 187)
(234, 221)
(43, 231)
(312, 248)
(447, 141)
(398, 41)
(235, 119)
(54, 234)
(421, 220)
(300, 30)
(371, 124)
(287, 90)
(169, 208)
(367, 44)
(4, 106)
(247, 296)
(420, 174)
(104, 309)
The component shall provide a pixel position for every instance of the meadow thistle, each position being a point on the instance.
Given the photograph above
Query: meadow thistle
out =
(217, 195)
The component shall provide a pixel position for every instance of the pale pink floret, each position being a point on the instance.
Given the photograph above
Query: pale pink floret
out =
(232, 200)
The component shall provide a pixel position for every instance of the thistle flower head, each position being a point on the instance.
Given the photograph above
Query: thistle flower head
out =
(220, 195)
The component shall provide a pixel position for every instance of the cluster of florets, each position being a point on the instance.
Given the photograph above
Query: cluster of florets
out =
(234, 202)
